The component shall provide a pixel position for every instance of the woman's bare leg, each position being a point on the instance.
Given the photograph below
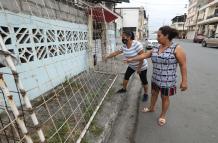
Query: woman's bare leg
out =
(154, 97)
(165, 106)
(125, 82)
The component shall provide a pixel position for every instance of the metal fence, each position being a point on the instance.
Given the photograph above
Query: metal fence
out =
(53, 78)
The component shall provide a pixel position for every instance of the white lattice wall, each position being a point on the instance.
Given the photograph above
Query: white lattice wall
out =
(50, 39)
(40, 42)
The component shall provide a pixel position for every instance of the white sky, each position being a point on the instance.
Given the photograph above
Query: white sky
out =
(160, 11)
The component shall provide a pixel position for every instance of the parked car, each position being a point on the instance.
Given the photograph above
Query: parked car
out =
(210, 41)
(198, 38)
(151, 43)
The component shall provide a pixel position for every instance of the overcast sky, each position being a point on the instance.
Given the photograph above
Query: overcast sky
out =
(160, 11)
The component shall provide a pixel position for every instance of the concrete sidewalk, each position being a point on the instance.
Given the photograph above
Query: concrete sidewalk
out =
(125, 124)
(116, 120)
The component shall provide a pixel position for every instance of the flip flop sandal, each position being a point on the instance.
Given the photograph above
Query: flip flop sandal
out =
(161, 121)
(146, 109)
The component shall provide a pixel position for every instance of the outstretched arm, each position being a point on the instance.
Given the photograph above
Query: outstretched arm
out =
(140, 62)
(113, 54)
(140, 57)
(181, 58)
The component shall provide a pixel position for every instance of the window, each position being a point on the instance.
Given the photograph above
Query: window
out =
(216, 12)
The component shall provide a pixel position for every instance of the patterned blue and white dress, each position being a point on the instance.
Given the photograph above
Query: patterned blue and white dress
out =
(164, 70)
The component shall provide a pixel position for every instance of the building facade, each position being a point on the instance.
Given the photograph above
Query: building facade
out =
(178, 23)
(146, 27)
(191, 20)
(132, 19)
(208, 18)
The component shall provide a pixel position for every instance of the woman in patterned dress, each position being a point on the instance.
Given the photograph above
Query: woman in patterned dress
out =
(165, 58)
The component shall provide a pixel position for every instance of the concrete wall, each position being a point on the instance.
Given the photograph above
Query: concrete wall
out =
(44, 62)
(179, 26)
(51, 9)
(190, 35)
(130, 17)
(50, 40)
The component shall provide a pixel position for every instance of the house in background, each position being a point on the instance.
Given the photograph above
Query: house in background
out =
(132, 19)
(208, 18)
(178, 23)
(202, 18)
(146, 28)
(191, 20)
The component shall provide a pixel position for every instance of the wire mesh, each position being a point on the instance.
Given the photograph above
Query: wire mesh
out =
(54, 48)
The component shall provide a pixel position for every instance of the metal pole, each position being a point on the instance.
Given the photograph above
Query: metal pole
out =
(22, 91)
(94, 113)
(14, 109)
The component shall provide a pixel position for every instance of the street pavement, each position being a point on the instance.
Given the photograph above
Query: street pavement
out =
(192, 115)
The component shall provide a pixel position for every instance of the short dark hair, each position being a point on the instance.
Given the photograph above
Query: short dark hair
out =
(129, 34)
(167, 30)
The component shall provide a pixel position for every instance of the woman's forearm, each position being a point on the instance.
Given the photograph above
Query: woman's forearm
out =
(183, 69)
(140, 64)
(113, 54)
(141, 57)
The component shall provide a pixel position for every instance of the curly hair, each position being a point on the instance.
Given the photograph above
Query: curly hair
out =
(167, 30)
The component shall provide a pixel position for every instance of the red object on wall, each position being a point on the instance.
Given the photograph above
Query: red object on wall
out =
(102, 14)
